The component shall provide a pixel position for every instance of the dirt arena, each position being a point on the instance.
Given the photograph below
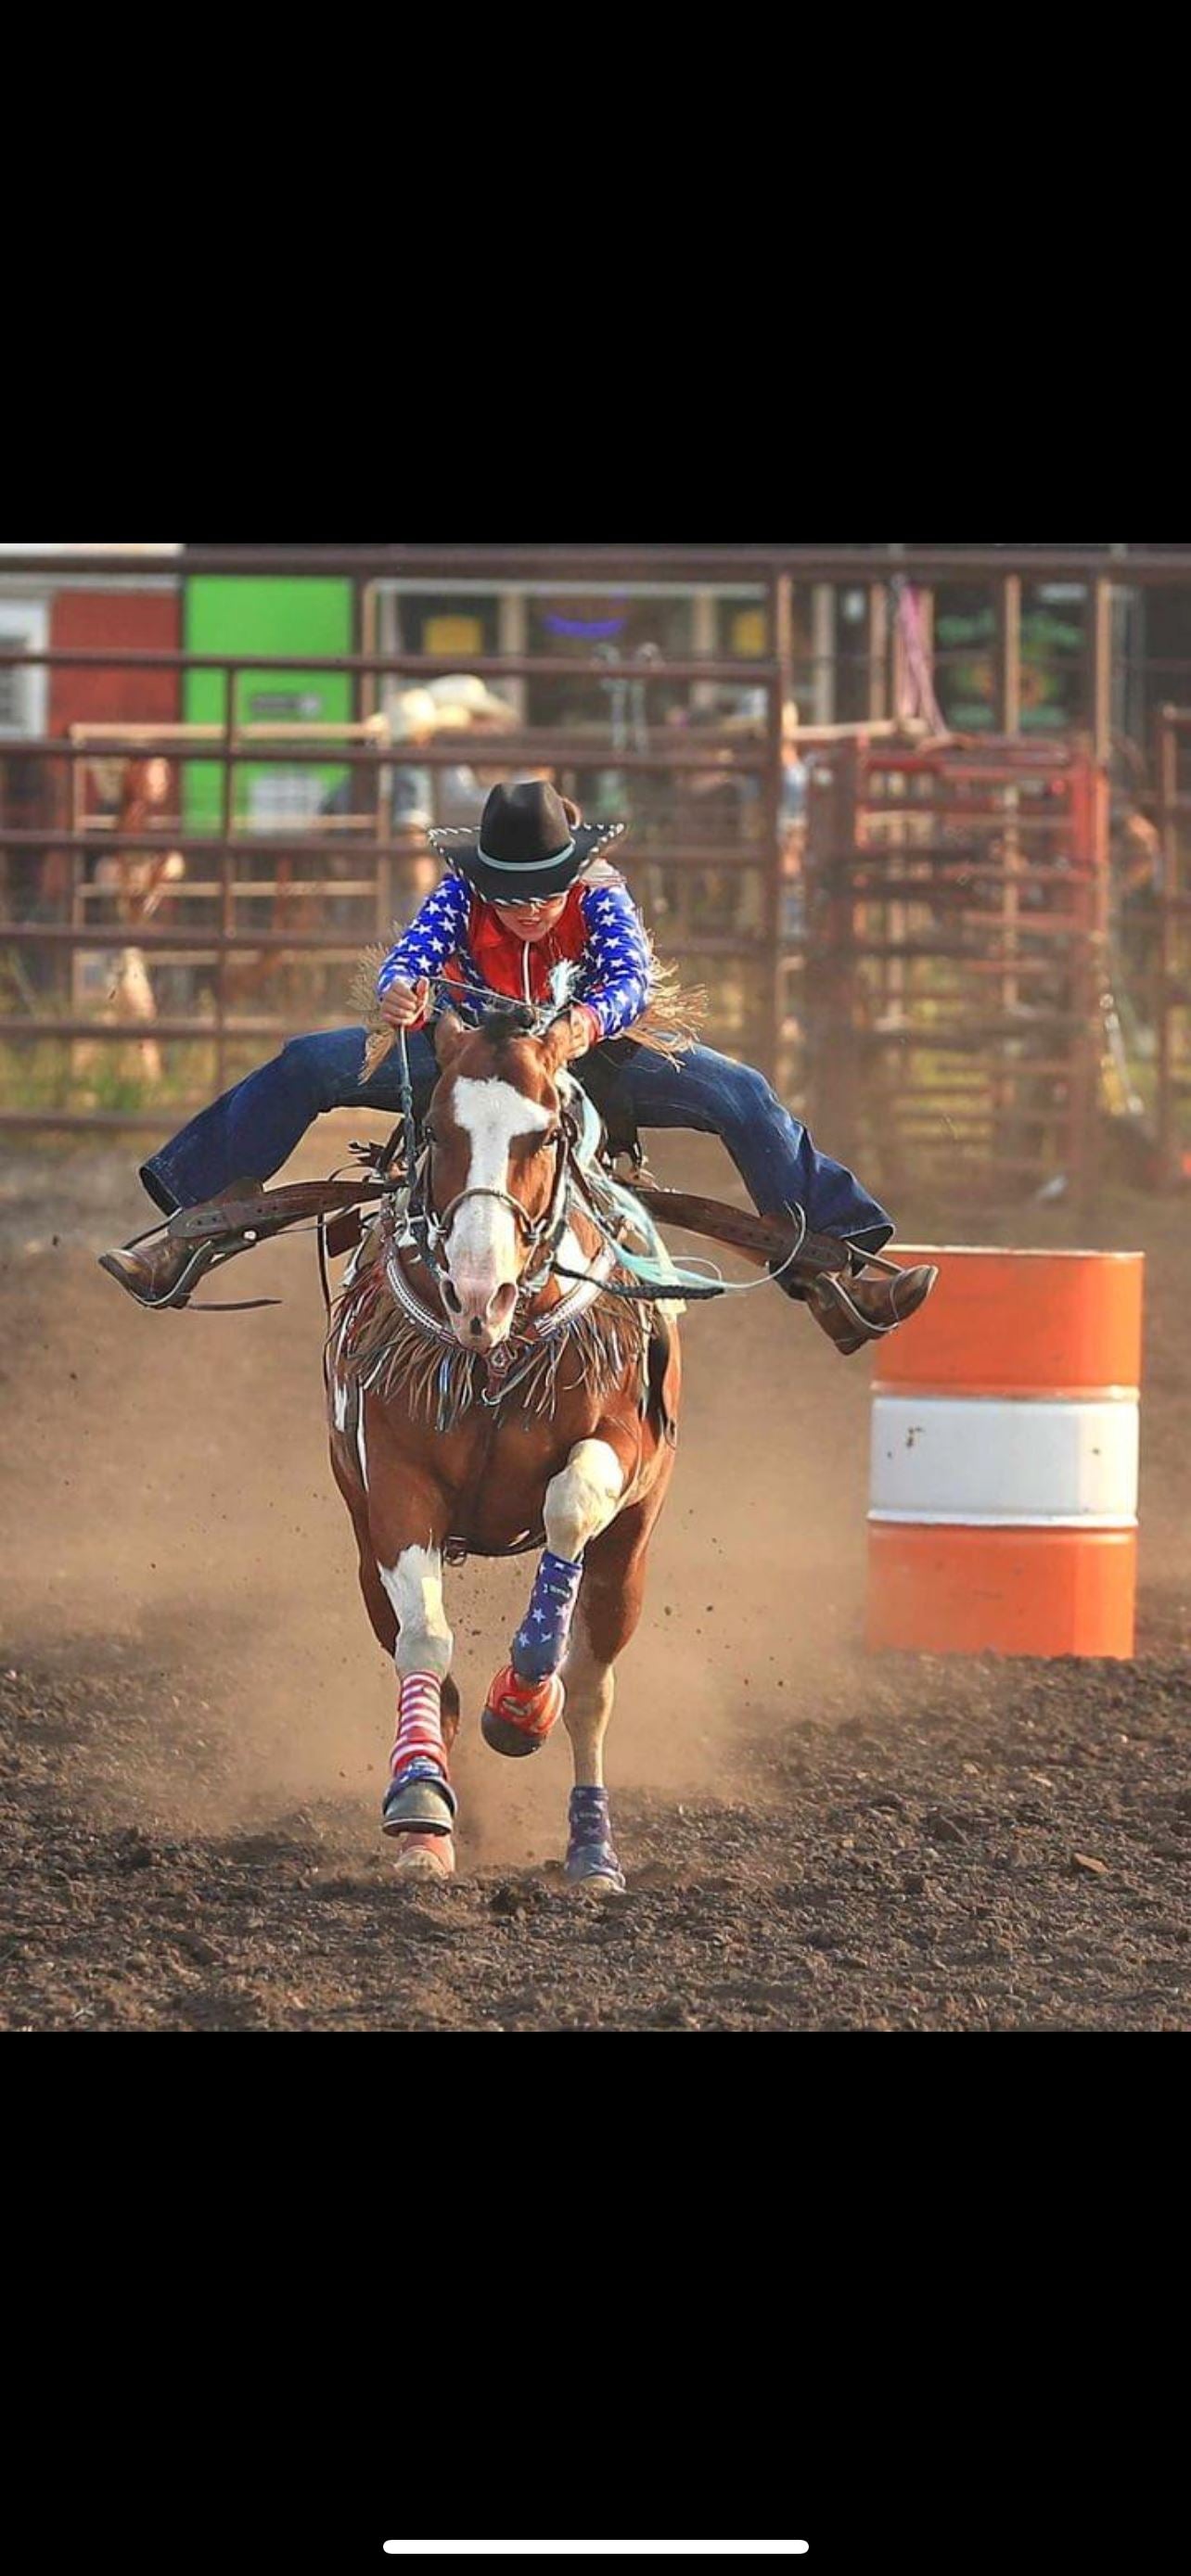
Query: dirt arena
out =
(195, 1716)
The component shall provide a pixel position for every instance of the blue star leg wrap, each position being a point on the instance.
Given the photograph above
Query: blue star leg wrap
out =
(589, 1850)
(540, 1642)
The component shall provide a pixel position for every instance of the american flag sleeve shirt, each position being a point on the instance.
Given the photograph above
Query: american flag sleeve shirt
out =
(438, 931)
(614, 970)
(613, 967)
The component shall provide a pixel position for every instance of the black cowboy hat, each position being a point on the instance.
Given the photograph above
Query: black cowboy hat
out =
(526, 844)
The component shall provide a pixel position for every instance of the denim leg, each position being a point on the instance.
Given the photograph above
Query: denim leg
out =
(774, 1154)
(255, 1126)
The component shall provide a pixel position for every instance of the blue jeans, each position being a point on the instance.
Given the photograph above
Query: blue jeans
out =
(255, 1127)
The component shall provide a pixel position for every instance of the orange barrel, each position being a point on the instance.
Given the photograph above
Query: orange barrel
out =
(1003, 1513)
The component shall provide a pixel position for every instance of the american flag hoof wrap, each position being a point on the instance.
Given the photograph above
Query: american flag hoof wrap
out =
(519, 1715)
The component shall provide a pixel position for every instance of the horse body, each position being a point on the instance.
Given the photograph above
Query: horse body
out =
(482, 1404)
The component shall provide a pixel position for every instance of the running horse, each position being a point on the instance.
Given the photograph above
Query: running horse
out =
(496, 1382)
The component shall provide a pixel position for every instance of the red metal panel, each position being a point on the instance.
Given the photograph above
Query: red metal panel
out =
(145, 620)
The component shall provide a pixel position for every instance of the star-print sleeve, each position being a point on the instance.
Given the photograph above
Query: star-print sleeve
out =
(616, 958)
(433, 935)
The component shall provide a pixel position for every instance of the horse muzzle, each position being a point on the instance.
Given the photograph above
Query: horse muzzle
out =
(480, 1315)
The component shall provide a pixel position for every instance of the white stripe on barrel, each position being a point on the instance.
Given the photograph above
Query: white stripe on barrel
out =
(982, 1460)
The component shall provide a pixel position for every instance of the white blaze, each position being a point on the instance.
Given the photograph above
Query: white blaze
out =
(482, 1244)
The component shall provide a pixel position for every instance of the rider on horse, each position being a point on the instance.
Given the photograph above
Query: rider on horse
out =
(525, 893)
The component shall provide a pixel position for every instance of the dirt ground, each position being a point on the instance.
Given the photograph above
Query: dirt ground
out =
(194, 1716)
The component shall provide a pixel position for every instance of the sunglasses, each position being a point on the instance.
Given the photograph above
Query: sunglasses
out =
(528, 903)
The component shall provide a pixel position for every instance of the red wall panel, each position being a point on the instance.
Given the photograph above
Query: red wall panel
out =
(149, 621)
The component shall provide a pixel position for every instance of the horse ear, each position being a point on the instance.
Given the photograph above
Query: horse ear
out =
(449, 1033)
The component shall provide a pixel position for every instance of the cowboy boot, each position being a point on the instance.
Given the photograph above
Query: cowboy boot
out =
(853, 1310)
(856, 1310)
(150, 1274)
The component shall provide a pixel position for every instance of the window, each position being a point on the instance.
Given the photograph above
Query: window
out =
(24, 626)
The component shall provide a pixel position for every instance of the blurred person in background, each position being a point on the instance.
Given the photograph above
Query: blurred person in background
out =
(792, 823)
(1135, 879)
(136, 884)
(464, 704)
(429, 795)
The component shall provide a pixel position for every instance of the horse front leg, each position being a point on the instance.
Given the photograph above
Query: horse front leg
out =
(527, 1696)
(420, 1804)
(407, 1521)
(608, 1611)
(401, 1582)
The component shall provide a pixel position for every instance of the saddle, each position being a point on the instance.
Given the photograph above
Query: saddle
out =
(599, 1074)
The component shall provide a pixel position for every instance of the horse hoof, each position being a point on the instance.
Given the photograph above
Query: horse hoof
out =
(597, 1871)
(419, 1802)
(425, 1856)
(519, 1715)
(506, 1738)
(598, 1882)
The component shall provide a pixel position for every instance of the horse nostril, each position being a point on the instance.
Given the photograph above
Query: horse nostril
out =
(453, 1299)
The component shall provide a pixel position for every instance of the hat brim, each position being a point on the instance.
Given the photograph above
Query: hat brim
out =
(460, 849)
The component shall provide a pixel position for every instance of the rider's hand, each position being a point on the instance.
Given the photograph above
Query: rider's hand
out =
(403, 1003)
(583, 1029)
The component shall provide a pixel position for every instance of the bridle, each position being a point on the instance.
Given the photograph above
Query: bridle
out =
(542, 1233)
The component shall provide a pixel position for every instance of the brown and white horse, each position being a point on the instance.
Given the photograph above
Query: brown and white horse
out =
(482, 1403)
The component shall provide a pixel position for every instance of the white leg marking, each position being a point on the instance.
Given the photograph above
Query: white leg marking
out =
(361, 1451)
(583, 1498)
(414, 1586)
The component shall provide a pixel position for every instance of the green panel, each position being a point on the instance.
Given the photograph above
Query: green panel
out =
(222, 614)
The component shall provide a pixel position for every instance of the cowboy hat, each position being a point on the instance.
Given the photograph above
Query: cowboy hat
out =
(462, 695)
(526, 844)
(412, 715)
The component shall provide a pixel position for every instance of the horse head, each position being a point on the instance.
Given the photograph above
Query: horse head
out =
(494, 1186)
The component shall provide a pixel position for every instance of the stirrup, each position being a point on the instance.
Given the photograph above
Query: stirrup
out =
(206, 1256)
(829, 1293)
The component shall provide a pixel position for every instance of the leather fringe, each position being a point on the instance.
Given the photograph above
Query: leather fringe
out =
(374, 1343)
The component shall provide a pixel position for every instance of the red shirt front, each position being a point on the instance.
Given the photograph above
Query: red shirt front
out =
(520, 967)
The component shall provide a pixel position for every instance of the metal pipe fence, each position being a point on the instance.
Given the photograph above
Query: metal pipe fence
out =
(260, 916)
(254, 940)
(1167, 932)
